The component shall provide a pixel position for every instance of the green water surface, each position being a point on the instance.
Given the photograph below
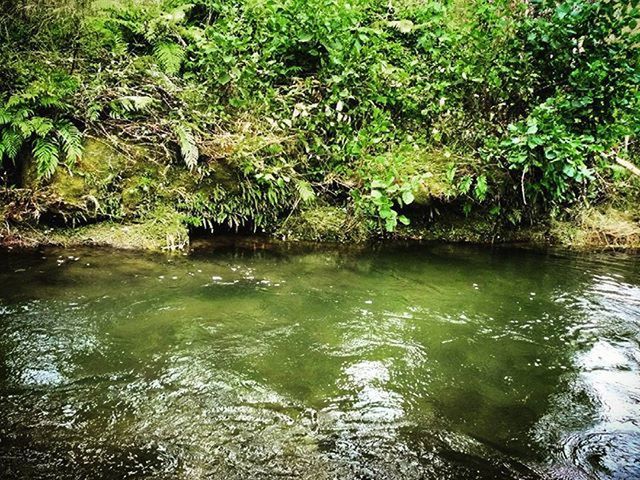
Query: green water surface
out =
(262, 361)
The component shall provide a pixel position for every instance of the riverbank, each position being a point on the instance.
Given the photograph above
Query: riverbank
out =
(131, 196)
(325, 121)
(594, 230)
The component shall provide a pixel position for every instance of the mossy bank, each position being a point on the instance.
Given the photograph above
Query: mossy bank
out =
(134, 197)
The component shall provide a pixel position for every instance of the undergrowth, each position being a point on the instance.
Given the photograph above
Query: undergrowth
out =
(519, 110)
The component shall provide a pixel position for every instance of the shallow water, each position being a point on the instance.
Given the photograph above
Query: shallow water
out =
(262, 361)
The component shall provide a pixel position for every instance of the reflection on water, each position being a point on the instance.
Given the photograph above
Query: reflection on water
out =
(600, 428)
(433, 362)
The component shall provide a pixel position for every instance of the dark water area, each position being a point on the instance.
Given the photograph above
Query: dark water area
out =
(262, 361)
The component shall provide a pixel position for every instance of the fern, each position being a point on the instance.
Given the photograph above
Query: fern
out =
(170, 56)
(70, 139)
(11, 143)
(41, 126)
(45, 152)
(188, 145)
(27, 119)
(123, 106)
(5, 116)
(19, 114)
(93, 111)
(51, 101)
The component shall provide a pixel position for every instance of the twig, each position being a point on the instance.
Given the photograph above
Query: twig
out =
(524, 199)
(628, 165)
(295, 205)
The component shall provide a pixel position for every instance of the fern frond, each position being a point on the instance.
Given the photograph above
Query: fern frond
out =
(93, 111)
(137, 103)
(188, 145)
(115, 111)
(20, 115)
(25, 127)
(5, 116)
(130, 104)
(11, 143)
(51, 101)
(70, 139)
(170, 56)
(45, 151)
(15, 101)
(120, 47)
(41, 126)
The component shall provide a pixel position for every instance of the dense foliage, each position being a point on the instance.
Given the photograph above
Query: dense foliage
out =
(515, 109)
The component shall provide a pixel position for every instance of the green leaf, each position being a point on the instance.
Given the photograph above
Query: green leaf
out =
(390, 224)
(188, 145)
(386, 212)
(569, 170)
(465, 184)
(403, 26)
(170, 56)
(71, 140)
(305, 191)
(122, 106)
(407, 197)
(11, 143)
(5, 117)
(480, 190)
(379, 184)
(41, 126)
(224, 79)
(45, 152)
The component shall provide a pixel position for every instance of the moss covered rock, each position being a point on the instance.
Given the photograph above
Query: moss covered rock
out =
(323, 223)
(163, 231)
(117, 194)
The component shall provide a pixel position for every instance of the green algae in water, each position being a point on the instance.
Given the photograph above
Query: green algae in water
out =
(404, 362)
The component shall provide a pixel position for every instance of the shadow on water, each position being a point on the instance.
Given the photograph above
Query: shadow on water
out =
(259, 360)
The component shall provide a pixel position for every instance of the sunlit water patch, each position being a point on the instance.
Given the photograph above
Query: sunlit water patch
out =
(258, 361)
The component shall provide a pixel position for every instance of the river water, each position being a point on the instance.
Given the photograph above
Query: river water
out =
(254, 360)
